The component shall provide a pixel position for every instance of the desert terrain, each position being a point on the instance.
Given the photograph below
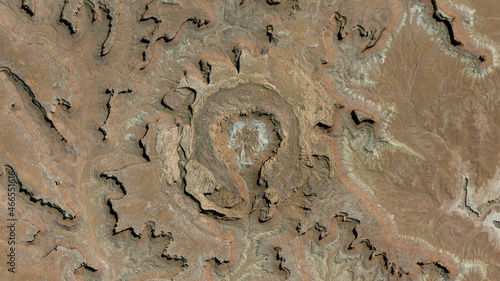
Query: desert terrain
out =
(250, 140)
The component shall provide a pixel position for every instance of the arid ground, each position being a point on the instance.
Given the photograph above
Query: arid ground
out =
(250, 140)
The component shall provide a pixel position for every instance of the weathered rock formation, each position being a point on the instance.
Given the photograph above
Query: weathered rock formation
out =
(250, 140)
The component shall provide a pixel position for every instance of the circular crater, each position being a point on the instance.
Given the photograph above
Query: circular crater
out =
(246, 137)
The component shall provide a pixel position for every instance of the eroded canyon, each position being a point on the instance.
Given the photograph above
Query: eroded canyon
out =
(250, 140)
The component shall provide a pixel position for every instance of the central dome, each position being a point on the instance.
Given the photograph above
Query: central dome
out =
(249, 139)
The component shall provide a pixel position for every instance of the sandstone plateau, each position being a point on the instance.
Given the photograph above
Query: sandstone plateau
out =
(250, 140)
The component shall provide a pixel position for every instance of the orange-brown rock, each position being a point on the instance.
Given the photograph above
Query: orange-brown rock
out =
(249, 140)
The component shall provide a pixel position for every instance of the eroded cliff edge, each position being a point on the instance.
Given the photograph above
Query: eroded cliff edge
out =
(251, 139)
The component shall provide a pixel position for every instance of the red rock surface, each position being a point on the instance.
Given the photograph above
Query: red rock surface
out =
(250, 140)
